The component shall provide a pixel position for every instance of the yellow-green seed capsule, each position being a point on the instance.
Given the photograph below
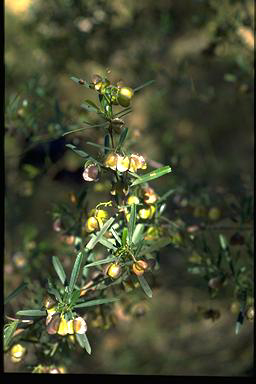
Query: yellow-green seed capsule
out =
(124, 96)
(17, 352)
(114, 270)
(133, 200)
(250, 313)
(91, 224)
(214, 213)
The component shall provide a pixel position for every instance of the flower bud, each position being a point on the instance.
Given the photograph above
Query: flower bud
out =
(91, 224)
(17, 352)
(124, 96)
(139, 267)
(114, 270)
(91, 173)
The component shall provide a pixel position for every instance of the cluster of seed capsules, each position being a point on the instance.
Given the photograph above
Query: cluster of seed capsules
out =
(118, 94)
(56, 322)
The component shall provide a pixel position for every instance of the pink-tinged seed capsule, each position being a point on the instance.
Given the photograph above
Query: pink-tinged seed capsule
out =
(52, 323)
(111, 160)
(139, 267)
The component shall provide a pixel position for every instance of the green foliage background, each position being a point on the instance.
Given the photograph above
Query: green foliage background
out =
(197, 117)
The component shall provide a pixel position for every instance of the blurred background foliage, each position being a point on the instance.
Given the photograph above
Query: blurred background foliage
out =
(197, 117)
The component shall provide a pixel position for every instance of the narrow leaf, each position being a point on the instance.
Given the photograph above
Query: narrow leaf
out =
(59, 269)
(98, 145)
(116, 236)
(155, 245)
(107, 243)
(75, 271)
(81, 82)
(124, 236)
(144, 285)
(89, 107)
(167, 194)
(84, 342)
(122, 137)
(143, 85)
(152, 175)
(31, 313)
(9, 330)
(106, 143)
(132, 223)
(77, 151)
(138, 232)
(223, 242)
(96, 302)
(99, 262)
(15, 293)
(91, 244)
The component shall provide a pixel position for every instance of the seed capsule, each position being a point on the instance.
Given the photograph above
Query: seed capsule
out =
(80, 326)
(147, 213)
(91, 173)
(124, 96)
(52, 323)
(133, 200)
(139, 267)
(17, 352)
(250, 313)
(122, 163)
(215, 282)
(48, 302)
(114, 270)
(149, 195)
(91, 224)
(111, 160)
(117, 124)
(214, 213)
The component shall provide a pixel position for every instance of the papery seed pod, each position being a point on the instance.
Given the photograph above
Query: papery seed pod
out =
(101, 214)
(80, 326)
(64, 326)
(91, 224)
(139, 267)
(250, 313)
(53, 323)
(114, 270)
(149, 195)
(17, 352)
(48, 302)
(122, 164)
(116, 124)
(133, 200)
(91, 173)
(97, 82)
(125, 95)
(137, 162)
(147, 213)
(235, 307)
(111, 160)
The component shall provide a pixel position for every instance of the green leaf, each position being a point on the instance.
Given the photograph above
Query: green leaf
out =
(90, 106)
(143, 85)
(75, 271)
(106, 143)
(9, 330)
(98, 145)
(15, 293)
(138, 233)
(152, 175)
(122, 137)
(153, 246)
(107, 243)
(59, 269)
(132, 223)
(223, 242)
(84, 342)
(76, 80)
(77, 151)
(124, 236)
(96, 302)
(53, 290)
(116, 236)
(167, 194)
(32, 313)
(94, 240)
(99, 262)
(75, 296)
(144, 285)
